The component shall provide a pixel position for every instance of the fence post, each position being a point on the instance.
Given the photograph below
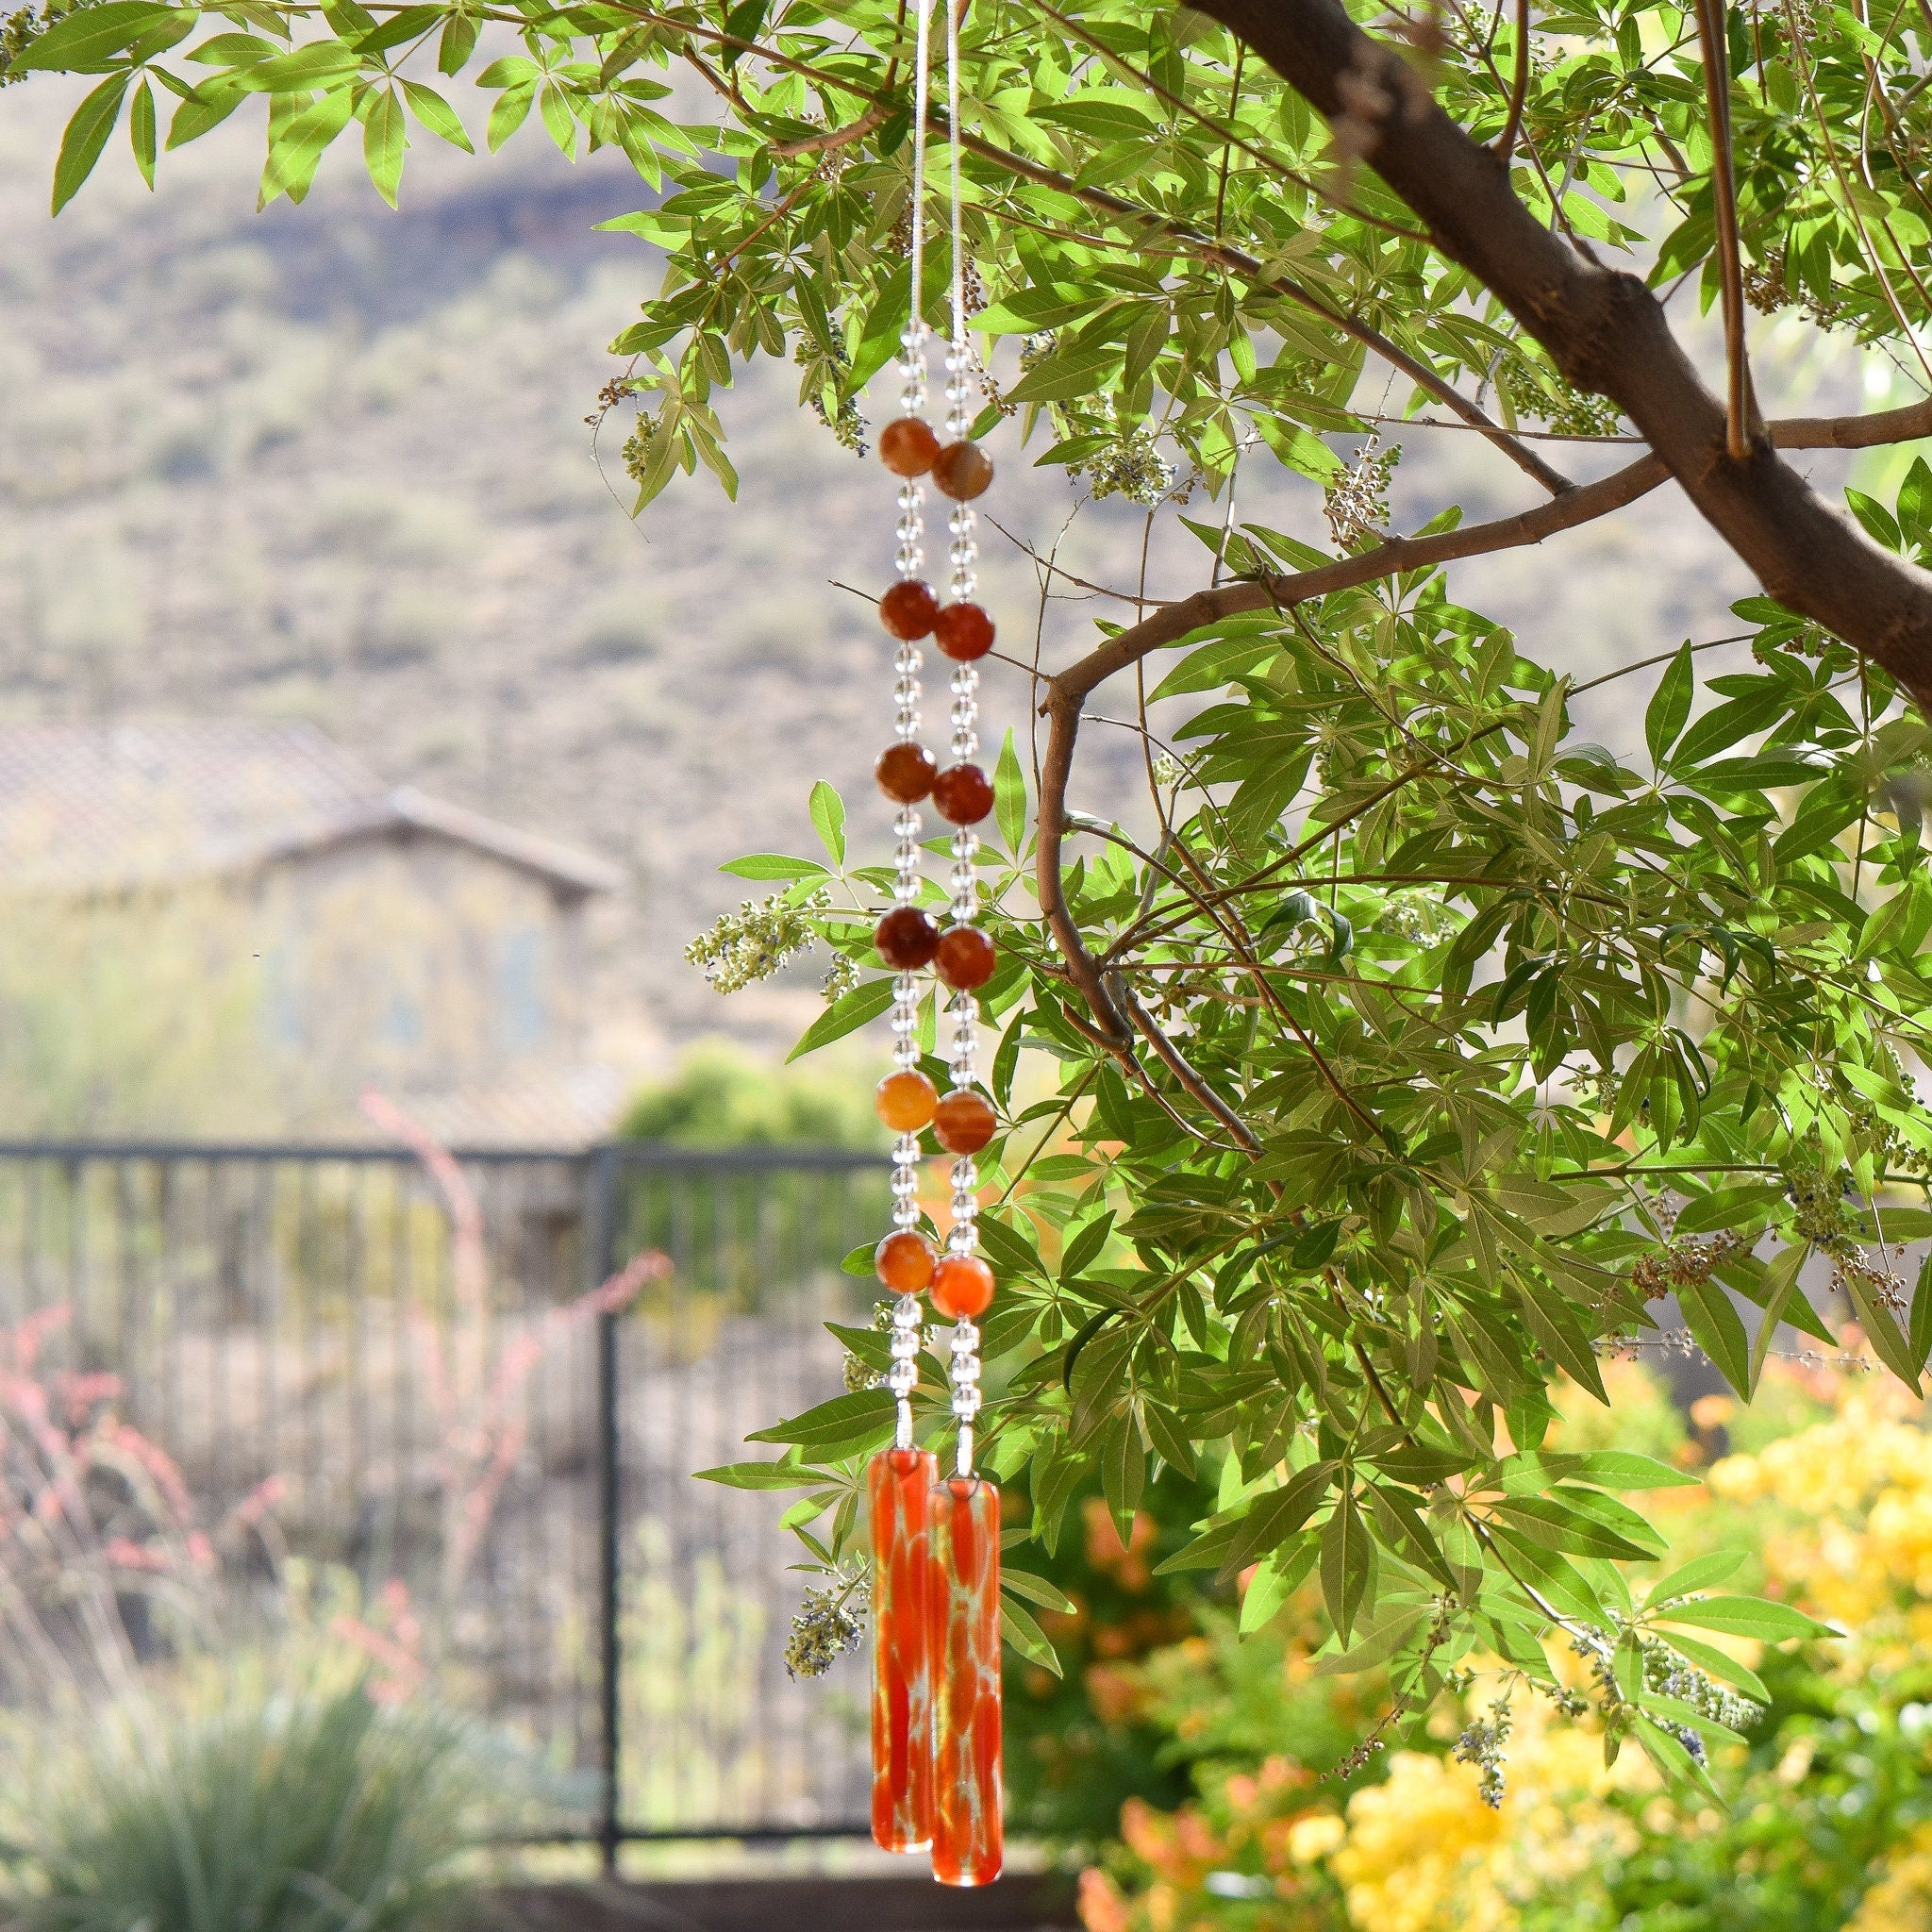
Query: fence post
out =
(603, 1245)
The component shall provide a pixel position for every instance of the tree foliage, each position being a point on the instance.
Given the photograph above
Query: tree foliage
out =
(1426, 1047)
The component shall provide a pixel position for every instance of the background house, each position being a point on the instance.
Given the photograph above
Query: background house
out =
(248, 894)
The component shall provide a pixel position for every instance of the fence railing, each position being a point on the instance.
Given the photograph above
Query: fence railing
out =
(508, 1455)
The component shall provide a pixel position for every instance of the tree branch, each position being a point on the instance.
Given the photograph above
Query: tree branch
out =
(1605, 331)
(1169, 624)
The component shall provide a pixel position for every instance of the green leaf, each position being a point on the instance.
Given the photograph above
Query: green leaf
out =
(1375, 1646)
(436, 115)
(1745, 1615)
(1715, 1323)
(828, 818)
(1009, 796)
(1277, 1514)
(297, 145)
(384, 140)
(1669, 707)
(774, 865)
(846, 1014)
(1344, 1563)
(86, 136)
(765, 1475)
(511, 111)
(140, 130)
(1037, 1589)
(1018, 1628)
(1699, 1573)
(90, 36)
(846, 1425)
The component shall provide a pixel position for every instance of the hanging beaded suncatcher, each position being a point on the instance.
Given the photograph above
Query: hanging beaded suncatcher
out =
(935, 1542)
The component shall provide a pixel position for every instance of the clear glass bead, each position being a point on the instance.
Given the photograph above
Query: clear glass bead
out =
(965, 844)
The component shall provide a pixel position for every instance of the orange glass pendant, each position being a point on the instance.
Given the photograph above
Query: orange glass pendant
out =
(899, 1483)
(967, 1831)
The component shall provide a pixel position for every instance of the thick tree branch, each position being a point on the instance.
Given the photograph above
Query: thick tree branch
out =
(1604, 330)
(1169, 624)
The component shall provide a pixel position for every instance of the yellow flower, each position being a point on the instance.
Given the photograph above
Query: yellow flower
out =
(1425, 1854)
(1314, 1836)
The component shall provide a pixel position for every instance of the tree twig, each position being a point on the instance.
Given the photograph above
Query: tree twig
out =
(1741, 427)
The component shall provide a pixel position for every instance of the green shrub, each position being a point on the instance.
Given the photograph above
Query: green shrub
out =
(722, 1096)
(270, 1809)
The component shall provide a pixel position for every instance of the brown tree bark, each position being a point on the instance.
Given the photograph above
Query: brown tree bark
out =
(1602, 327)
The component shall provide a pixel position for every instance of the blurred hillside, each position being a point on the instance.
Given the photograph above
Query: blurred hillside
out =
(330, 462)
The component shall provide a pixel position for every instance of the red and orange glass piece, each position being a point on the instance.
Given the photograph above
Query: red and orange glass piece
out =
(900, 1483)
(963, 1523)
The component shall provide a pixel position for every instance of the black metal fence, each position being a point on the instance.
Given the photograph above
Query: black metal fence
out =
(462, 1439)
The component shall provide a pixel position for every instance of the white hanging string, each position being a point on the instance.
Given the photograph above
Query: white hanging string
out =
(921, 106)
(954, 222)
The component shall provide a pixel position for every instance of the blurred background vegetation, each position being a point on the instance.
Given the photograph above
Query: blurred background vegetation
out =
(1235, 1762)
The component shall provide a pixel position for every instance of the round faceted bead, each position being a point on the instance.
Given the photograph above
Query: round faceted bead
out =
(907, 939)
(963, 794)
(964, 1120)
(906, 1100)
(903, 1262)
(963, 1287)
(907, 609)
(907, 447)
(965, 958)
(961, 471)
(962, 631)
(905, 773)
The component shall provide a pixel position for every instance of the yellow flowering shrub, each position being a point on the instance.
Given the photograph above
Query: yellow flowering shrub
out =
(1828, 1488)
(1424, 1852)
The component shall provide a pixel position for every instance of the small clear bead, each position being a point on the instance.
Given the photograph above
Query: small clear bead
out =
(965, 1172)
(965, 1338)
(965, 844)
(907, 662)
(906, 1214)
(907, 825)
(966, 1402)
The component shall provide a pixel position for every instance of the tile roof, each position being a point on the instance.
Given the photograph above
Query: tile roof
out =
(99, 805)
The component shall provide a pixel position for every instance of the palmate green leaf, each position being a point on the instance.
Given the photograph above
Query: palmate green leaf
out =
(1476, 986)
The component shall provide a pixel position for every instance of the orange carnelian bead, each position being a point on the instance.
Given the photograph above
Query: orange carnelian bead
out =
(962, 631)
(963, 1287)
(907, 447)
(907, 609)
(907, 939)
(965, 958)
(905, 773)
(963, 794)
(964, 1120)
(903, 1262)
(905, 1101)
(961, 471)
